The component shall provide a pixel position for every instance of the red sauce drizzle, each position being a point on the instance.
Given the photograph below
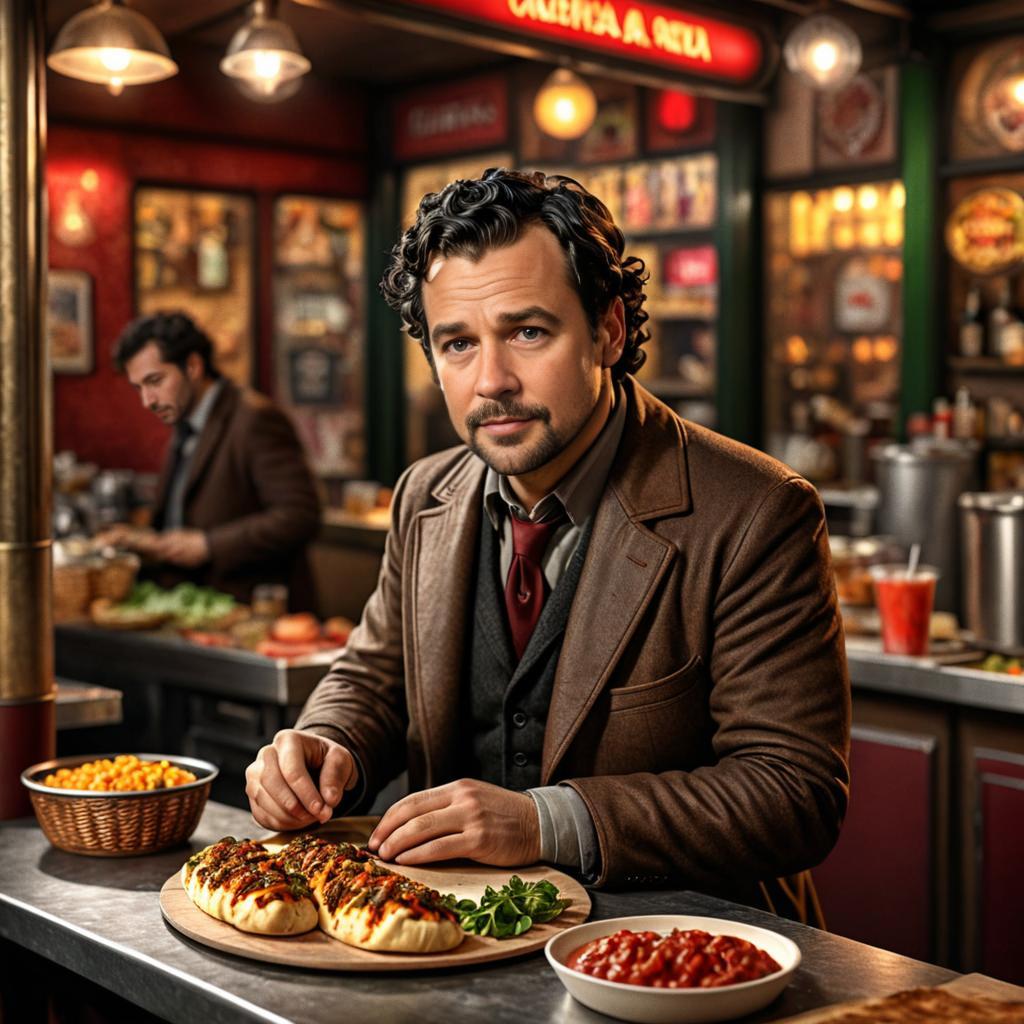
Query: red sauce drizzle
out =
(682, 959)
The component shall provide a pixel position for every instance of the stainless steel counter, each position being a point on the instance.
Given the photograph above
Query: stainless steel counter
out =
(80, 705)
(929, 679)
(87, 652)
(101, 919)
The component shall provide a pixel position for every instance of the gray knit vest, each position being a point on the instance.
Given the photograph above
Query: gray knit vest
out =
(505, 704)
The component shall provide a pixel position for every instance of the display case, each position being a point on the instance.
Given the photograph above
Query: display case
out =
(834, 266)
(318, 329)
(195, 251)
(983, 209)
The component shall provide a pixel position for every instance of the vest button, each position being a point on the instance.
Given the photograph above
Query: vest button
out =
(519, 719)
(520, 759)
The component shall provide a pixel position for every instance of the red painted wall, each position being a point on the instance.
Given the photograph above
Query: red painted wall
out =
(98, 416)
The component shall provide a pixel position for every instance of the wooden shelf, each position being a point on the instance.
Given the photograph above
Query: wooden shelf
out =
(987, 366)
(1004, 444)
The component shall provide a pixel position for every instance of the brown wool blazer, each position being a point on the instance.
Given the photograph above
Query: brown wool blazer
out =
(701, 705)
(250, 488)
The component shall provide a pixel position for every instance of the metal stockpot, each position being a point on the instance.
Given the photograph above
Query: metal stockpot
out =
(918, 488)
(992, 533)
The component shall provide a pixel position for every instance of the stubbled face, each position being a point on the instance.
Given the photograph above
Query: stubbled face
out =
(165, 389)
(521, 370)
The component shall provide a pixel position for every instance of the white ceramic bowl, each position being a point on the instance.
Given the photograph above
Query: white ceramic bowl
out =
(672, 1005)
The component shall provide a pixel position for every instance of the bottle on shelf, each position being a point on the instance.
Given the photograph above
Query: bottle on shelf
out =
(972, 330)
(1005, 327)
(942, 418)
(965, 416)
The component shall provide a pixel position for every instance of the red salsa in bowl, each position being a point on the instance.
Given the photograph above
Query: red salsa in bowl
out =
(681, 959)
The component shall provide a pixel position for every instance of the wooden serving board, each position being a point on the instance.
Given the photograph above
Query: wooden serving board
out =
(967, 987)
(315, 950)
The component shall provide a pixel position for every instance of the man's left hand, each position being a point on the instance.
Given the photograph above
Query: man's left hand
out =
(467, 818)
(187, 548)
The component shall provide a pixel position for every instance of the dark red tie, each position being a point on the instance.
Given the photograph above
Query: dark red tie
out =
(526, 588)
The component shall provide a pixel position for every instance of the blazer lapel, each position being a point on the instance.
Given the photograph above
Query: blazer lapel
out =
(209, 439)
(624, 566)
(440, 560)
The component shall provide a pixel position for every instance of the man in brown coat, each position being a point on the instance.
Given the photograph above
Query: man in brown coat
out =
(236, 502)
(675, 709)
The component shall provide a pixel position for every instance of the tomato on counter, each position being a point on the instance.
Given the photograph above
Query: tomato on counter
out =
(681, 959)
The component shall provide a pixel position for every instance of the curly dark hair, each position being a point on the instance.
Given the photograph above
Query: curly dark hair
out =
(467, 218)
(175, 334)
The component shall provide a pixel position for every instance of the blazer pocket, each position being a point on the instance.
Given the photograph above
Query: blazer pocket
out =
(661, 692)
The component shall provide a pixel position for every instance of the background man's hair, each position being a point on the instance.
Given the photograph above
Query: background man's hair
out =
(175, 334)
(468, 218)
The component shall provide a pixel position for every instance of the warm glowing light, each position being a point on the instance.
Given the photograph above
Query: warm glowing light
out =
(565, 106)
(115, 58)
(898, 196)
(892, 233)
(824, 55)
(1017, 90)
(845, 237)
(893, 269)
(797, 350)
(885, 348)
(870, 235)
(842, 199)
(90, 180)
(823, 51)
(867, 197)
(266, 63)
(861, 350)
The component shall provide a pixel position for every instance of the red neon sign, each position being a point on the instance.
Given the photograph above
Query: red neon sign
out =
(644, 32)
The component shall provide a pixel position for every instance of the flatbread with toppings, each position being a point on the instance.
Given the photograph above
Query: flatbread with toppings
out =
(931, 1005)
(364, 904)
(242, 883)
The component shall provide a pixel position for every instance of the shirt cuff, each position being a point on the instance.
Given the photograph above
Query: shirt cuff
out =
(567, 834)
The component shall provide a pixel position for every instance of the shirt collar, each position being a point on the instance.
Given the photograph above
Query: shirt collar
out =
(578, 492)
(201, 413)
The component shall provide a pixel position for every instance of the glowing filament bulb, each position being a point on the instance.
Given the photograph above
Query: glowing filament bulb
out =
(267, 63)
(825, 55)
(115, 58)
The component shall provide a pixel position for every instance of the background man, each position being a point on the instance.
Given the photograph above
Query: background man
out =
(236, 502)
(601, 636)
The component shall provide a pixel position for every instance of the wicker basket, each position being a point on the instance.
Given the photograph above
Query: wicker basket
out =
(72, 591)
(114, 578)
(118, 824)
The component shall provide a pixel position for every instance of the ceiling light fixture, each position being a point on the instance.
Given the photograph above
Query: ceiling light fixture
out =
(565, 106)
(264, 56)
(823, 51)
(112, 45)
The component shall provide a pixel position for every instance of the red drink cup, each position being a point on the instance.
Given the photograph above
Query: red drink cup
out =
(905, 606)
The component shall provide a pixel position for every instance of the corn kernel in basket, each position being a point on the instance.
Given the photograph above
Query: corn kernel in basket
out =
(124, 774)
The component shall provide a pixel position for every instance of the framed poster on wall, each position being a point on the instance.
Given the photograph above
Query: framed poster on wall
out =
(194, 251)
(69, 321)
(319, 328)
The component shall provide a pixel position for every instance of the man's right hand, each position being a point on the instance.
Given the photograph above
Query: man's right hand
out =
(280, 786)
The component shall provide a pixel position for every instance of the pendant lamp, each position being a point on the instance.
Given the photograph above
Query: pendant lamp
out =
(565, 106)
(823, 51)
(112, 45)
(264, 56)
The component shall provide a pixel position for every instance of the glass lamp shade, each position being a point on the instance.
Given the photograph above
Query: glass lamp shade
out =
(113, 46)
(565, 106)
(264, 54)
(824, 52)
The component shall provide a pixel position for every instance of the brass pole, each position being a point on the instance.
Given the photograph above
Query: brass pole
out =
(27, 731)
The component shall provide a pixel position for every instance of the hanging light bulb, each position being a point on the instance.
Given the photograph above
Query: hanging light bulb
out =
(264, 56)
(824, 52)
(113, 46)
(565, 106)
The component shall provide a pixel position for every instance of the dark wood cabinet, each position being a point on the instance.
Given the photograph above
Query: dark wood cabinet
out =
(992, 844)
(885, 883)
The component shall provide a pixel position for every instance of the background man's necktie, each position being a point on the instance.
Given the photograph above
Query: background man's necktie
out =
(526, 587)
(183, 430)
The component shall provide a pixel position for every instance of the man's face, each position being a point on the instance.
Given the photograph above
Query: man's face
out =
(520, 367)
(165, 389)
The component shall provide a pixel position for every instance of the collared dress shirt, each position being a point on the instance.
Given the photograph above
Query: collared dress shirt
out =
(567, 833)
